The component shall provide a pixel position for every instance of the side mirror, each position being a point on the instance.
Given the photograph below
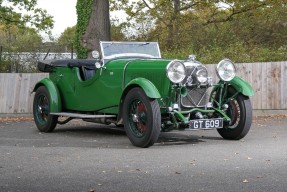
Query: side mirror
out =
(95, 54)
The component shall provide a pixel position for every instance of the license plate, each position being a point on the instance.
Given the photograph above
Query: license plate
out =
(206, 124)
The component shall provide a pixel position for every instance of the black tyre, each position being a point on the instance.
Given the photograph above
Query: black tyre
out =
(240, 112)
(142, 118)
(41, 111)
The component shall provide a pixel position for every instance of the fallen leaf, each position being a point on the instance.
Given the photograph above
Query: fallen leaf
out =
(245, 181)
(249, 158)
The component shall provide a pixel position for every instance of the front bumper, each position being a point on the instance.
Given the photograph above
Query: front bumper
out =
(181, 119)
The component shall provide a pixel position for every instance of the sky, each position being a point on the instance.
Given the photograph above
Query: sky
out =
(63, 11)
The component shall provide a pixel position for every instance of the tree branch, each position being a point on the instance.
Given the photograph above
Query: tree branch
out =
(147, 5)
(150, 8)
(188, 6)
(230, 17)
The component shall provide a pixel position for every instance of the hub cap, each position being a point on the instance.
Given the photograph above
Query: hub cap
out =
(138, 118)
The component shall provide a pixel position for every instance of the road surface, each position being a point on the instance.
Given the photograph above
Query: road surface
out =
(90, 157)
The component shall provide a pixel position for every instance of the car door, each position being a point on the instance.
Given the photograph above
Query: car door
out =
(102, 92)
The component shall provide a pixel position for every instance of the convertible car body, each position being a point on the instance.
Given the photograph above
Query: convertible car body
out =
(130, 85)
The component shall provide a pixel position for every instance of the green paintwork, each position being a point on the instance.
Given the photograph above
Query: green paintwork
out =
(242, 86)
(148, 87)
(104, 91)
(55, 105)
(153, 70)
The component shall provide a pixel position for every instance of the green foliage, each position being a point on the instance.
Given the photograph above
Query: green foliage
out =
(15, 39)
(244, 31)
(117, 32)
(84, 9)
(24, 13)
(18, 44)
(66, 40)
(4, 66)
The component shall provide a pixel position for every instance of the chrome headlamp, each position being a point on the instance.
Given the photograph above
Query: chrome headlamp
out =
(202, 75)
(176, 71)
(225, 70)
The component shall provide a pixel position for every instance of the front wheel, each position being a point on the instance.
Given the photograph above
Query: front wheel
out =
(44, 121)
(240, 112)
(142, 118)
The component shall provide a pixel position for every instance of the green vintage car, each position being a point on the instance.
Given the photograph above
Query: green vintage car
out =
(130, 85)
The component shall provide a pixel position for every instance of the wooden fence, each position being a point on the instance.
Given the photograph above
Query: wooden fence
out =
(15, 91)
(269, 81)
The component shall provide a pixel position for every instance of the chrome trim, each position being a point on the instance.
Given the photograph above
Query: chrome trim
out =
(123, 55)
(168, 65)
(82, 116)
(217, 66)
(198, 70)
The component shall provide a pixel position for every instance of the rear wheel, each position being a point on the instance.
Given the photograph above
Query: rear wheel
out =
(240, 112)
(142, 118)
(44, 121)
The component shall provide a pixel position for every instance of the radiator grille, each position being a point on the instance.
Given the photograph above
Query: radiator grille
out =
(196, 97)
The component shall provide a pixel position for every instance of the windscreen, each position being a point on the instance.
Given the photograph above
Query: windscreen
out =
(130, 48)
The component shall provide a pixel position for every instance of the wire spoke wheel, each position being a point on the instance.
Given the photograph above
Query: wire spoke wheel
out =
(41, 111)
(138, 118)
(240, 112)
(142, 118)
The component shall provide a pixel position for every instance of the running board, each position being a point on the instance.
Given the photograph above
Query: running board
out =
(82, 116)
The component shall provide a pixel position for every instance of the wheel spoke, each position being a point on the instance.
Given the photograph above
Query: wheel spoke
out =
(234, 113)
(138, 118)
(43, 108)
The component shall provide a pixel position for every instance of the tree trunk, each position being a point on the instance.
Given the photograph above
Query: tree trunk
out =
(98, 28)
(173, 26)
(170, 37)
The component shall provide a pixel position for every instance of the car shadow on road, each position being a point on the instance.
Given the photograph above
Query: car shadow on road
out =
(117, 135)
(174, 138)
(91, 130)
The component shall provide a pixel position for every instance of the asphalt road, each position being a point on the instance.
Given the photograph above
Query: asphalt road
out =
(90, 157)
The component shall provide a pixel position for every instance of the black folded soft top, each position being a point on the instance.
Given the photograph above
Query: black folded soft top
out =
(48, 65)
